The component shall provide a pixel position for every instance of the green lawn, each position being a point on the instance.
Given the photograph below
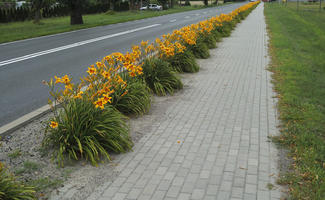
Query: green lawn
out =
(298, 62)
(307, 6)
(22, 30)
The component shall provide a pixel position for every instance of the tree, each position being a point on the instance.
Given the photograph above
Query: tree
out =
(132, 4)
(111, 4)
(75, 7)
(205, 2)
(172, 3)
(37, 5)
(164, 3)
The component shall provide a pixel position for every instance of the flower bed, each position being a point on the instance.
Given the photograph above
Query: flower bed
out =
(81, 130)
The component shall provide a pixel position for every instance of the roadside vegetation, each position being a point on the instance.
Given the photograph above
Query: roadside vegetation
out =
(90, 117)
(22, 30)
(298, 51)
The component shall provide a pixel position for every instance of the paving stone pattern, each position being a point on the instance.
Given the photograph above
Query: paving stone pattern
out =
(222, 121)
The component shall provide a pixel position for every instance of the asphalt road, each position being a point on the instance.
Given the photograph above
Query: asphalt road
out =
(24, 64)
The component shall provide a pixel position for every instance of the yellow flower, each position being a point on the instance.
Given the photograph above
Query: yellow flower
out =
(132, 74)
(158, 40)
(69, 87)
(57, 80)
(139, 70)
(100, 103)
(144, 43)
(118, 56)
(99, 65)
(65, 79)
(106, 75)
(110, 60)
(108, 90)
(78, 96)
(107, 98)
(120, 80)
(53, 124)
(92, 70)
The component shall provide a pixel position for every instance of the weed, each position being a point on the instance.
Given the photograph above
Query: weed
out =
(43, 184)
(10, 188)
(28, 167)
(15, 154)
(270, 186)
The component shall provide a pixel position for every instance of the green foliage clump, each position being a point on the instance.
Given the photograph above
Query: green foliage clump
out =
(10, 188)
(200, 49)
(28, 167)
(160, 76)
(210, 41)
(137, 99)
(84, 131)
(184, 62)
(225, 30)
(15, 154)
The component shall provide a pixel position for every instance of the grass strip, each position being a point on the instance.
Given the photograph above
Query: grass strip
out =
(298, 50)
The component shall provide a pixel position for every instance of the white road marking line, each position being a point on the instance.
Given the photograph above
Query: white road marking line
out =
(173, 20)
(204, 12)
(18, 59)
(187, 17)
(197, 14)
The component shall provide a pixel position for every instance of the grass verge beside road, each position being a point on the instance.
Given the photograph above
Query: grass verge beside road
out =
(23, 30)
(298, 62)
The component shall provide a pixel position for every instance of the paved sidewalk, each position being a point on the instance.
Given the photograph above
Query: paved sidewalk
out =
(222, 121)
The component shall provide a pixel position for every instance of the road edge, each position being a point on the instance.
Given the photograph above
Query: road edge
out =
(7, 129)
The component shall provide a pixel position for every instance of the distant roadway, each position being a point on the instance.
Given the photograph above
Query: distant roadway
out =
(24, 64)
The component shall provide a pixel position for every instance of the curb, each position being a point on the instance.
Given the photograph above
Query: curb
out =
(24, 120)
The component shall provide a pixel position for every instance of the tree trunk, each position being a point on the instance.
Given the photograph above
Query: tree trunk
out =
(37, 17)
(131, 4)
(111, 4)
(76, 13)
(187, 3)
(37, 5)
(172, 2)
(205, 2)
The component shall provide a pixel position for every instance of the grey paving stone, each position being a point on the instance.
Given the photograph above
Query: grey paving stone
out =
(250, 189)
(134, 193)
(119, 196)
(212, 190)
(198, 194)
(184, 196)
(110, 192)
(223, 195)
(159, 195)
(173, 191)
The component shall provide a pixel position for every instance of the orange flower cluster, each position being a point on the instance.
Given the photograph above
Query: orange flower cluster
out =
(177, 41)
(102, 79)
